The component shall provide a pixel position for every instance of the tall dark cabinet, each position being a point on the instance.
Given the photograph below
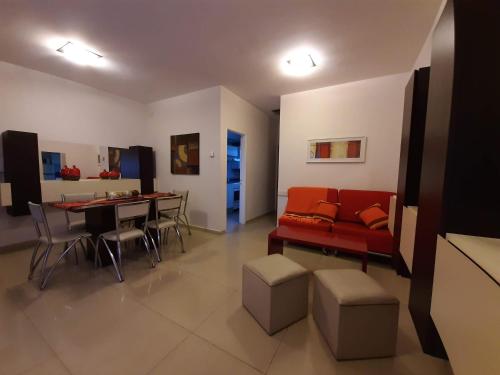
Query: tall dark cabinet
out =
(460, 180)
(412, 144)
(21, 170)
(147, 172)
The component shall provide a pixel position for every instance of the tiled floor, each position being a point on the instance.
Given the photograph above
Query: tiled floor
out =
(183, 317)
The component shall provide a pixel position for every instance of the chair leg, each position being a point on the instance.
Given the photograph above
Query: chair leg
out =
(146, 243)
(44, 263)
(158, 236)
(45, 279)
(119, 251)
(179, 236)
(76, 254)
(117, 267)
(187, 223)
(154, 246)
(97, 256)
(33, 258)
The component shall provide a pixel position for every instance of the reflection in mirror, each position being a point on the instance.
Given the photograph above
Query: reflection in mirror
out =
(52, 162)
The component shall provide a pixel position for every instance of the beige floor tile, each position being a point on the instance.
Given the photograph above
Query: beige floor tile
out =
(234, 330)
(52, 366)
(304, 351)
(87, 323)
(196, 356)
(21, 346)
(104, 332)
(180, 296)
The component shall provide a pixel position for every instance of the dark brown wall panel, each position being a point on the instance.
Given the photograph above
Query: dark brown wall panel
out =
(432, 182)
(21, 167)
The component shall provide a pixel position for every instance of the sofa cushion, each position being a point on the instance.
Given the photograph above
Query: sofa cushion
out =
(378, 240)
(352, 201)
(373, 217)
(302, 200)
(326, 211)
(305, 222)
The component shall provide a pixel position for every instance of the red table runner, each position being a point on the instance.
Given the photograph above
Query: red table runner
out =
(106, 202)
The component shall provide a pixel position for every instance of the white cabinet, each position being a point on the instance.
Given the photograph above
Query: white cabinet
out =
(408, 229)
(466, 310)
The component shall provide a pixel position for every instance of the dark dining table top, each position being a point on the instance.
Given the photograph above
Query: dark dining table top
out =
(102, 202)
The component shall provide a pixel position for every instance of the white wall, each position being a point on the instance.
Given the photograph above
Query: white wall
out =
(61, 110)
(197, 112)
(258, 174)
(371, 108)
(424, 57)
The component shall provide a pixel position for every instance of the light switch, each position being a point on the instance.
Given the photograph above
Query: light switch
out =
(212, 154)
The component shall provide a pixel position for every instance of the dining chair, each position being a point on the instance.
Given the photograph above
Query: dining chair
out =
(182, 217)
(49, 239)
(172, 207)
(76, 220)
(126, 212)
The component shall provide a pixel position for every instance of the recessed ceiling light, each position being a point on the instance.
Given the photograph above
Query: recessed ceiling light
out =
(79, 55)
(300, 62)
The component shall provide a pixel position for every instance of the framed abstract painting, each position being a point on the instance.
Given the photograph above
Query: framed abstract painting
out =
(336, 150)
(185, 154)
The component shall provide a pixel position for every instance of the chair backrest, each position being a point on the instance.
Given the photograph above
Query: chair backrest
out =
(39, 220)
(169, 203)
(172, 205)
(185, 195)
(129, 211)
(78, 197)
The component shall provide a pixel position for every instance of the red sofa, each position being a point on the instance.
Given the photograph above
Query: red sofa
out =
(302, 199)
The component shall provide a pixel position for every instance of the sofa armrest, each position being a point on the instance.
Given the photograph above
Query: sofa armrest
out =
(392, 213)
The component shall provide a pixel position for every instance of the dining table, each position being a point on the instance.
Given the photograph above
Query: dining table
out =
(100, 217)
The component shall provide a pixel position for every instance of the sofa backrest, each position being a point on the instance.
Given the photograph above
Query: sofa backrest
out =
(355, 200)
(301, 200)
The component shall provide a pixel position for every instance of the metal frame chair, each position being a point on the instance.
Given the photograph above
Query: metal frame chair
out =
(45, 236)
(78, 197)
(127, 212)
(164, 221)
(182, 217)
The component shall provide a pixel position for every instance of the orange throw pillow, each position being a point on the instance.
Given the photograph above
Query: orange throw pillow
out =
(374, 217)
(326, 211)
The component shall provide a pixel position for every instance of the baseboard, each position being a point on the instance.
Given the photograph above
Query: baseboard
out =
(203, 229)
(261, 216)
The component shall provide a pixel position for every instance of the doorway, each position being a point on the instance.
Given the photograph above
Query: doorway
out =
(235, 207)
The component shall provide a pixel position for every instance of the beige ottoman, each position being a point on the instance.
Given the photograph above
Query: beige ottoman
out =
(275, 291)
(356, 316)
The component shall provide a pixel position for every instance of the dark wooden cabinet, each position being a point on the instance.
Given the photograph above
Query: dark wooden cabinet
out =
(146, 167)
(21, 170)
(410, 162)
(460, 177)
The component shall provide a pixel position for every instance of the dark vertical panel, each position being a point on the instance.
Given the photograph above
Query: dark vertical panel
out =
(146, 168)
(20, 154)
(432, 182)
(461, 166)
(398, 261)
(412, 142)
(472, 199)
(416, 139)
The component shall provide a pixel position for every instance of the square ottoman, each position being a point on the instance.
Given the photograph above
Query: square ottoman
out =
(275, 291)
(355, 315)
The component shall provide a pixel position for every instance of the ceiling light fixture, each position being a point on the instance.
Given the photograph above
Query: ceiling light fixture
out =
(79, 55)
(300, 62)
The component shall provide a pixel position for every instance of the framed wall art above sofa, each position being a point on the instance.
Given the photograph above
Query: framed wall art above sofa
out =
(336, 150)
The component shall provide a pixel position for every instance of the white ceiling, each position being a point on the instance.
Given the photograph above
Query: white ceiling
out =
(163, 48)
